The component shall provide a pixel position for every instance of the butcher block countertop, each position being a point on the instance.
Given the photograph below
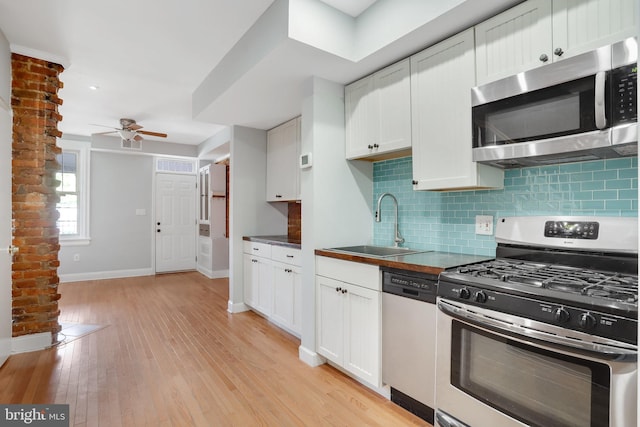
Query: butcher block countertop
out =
(432, 262)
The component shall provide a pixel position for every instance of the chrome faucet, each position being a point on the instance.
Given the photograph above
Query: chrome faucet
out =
(398, 238)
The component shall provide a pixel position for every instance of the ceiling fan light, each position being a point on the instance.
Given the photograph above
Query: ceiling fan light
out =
(126, 134)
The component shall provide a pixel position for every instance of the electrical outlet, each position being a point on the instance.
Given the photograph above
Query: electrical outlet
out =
(484, 224)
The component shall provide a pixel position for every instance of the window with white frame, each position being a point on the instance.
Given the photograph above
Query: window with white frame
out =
(73, 191)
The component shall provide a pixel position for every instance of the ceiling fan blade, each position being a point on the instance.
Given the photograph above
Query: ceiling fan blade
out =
(158, 134)
(134, 126)
(138, 138)
(103, 126)
(105, 133)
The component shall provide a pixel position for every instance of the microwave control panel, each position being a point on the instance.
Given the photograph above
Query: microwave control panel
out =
(624, 92)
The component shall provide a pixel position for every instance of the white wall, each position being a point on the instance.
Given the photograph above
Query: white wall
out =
(5, 198)
(336, 194)
(121, 241)
(249, 213)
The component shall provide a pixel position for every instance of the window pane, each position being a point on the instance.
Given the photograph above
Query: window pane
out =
(68, 209)
(67, 182)
(68, 171)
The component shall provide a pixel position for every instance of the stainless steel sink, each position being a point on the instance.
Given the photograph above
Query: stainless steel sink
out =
(376, 251)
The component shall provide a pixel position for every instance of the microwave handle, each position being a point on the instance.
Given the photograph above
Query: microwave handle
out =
(600, 112)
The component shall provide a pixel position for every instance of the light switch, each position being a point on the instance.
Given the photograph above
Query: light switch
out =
(484, 224)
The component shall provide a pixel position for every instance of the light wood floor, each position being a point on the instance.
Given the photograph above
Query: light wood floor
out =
(171, 355)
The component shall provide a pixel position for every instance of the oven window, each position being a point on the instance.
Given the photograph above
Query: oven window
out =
(538, 387)
(561, 110)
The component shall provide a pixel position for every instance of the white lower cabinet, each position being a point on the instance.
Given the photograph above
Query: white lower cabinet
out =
(258, 283)
(348, 307)
(272, 284)
(287, 291)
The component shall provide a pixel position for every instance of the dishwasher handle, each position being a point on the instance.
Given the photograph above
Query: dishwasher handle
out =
(445, 420)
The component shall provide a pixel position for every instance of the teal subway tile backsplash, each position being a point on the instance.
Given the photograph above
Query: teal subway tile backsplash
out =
(445, 221)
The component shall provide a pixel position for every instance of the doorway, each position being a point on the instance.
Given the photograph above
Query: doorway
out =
(175, 222)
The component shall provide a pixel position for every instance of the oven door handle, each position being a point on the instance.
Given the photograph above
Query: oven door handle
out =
(600, 350)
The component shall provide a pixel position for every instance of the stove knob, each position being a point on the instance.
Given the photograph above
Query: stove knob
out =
(587, 321)
(561, 315)
(465, 293)
(480, 297)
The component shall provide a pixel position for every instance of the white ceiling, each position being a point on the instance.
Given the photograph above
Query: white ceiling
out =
(148, 57)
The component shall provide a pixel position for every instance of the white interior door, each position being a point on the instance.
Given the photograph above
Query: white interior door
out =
(5, 231)
(175, 222)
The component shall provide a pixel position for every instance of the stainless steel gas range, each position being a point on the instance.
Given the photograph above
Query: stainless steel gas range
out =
(546, 333)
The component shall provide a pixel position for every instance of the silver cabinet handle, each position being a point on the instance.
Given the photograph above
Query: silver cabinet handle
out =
(544, 57)
(558, 51)
(601, 118)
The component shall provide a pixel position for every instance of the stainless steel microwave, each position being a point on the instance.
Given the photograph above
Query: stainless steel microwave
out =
(577, 109)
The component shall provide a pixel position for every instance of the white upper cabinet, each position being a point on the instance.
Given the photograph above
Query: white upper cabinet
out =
(283, 152)
(441, 80)
(583, 25)
(378, 114)
(515, 40)
(537, 32)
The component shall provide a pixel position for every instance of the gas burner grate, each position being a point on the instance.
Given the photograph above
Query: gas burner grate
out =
(559, 278)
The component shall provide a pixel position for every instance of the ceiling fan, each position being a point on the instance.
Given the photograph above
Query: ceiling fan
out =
(131, 133)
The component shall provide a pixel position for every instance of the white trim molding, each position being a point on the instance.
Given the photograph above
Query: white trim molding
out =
(31, 342)
(237, 307)
(309, 357)
(99, 275)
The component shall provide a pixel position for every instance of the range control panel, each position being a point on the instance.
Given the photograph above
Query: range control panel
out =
(572, 229)
(575, 318)
(625, 94)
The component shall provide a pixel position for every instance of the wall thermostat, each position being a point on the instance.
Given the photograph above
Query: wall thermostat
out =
(305, 160)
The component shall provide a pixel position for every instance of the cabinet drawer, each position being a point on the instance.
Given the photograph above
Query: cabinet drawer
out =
(257, 249)
(286, 255)
(365, 275)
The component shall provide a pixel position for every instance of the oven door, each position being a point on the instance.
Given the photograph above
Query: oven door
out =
(490, 376)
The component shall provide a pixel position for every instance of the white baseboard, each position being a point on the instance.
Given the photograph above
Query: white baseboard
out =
(211, 274)
(309, 357)
(112, 274)
(237, 307)
(31, 342)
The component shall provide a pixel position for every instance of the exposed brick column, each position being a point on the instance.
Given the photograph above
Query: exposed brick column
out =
(34, 100)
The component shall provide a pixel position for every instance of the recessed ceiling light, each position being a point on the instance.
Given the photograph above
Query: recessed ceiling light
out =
(94, 87)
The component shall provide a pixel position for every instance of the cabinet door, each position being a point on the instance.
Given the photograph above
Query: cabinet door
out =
(282, 162)
(583, 25)
(330, 318)
(362, 331)
(515, 40)
(251, 273)
(203, 189)
(441, 80)
(394, 105)
(361, 118)
(286, 292)
(283, 292)
(265, 286)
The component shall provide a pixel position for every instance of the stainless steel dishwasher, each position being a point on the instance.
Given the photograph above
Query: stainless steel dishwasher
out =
(409, 339)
